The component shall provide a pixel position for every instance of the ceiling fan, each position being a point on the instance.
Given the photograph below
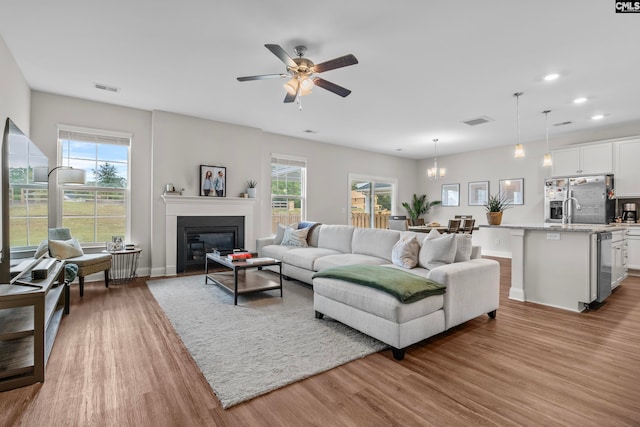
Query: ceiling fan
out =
(301, 73)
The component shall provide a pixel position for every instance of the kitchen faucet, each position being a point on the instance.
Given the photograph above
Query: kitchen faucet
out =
(566, 217)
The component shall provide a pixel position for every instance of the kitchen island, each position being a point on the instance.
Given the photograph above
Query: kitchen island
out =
(557, 265)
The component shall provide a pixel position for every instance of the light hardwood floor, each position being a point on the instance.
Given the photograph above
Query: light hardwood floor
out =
(118, 362)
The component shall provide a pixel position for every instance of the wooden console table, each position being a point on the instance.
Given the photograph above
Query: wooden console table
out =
(30, 315)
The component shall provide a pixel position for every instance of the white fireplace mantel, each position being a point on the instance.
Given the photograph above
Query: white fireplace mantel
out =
(176, 206)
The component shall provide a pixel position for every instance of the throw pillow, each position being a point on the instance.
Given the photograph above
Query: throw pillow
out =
(313, 235)
(405, 252)
(43, 248)
(65, 249)
(463, 247)
(438, 251)
(295, 237)
(280, 232)
(433, 234)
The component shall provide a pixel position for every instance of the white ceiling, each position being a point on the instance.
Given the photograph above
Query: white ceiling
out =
(425, 66)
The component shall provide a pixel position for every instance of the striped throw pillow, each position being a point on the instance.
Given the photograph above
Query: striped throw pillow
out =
(294, 237)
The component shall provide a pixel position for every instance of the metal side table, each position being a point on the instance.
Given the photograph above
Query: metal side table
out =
(124, 265)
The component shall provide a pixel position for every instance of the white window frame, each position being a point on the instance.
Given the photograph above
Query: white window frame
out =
(373, 178)
(303, 179)
(107, 134)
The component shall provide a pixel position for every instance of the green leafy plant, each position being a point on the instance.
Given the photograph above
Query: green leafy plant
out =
(497, 203)
(419, 205)
(252, 184)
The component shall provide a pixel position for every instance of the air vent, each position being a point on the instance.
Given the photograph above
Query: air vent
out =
(108, 88)
(478, 121)
(563, 123)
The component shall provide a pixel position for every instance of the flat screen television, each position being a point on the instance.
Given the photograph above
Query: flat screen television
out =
(20, 194)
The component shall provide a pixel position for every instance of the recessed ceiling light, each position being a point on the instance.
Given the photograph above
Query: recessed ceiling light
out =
(550, 77)
(580, 100)
(597, 117)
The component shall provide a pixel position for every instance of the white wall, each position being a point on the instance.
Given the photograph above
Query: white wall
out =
(15, 95)
(498, 163)
(49, 110)
(182, 143)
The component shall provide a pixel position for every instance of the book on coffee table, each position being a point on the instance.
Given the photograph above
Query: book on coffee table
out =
(262, 259)
(237, 256)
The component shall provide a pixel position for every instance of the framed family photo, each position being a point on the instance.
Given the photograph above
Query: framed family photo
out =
(213, 181)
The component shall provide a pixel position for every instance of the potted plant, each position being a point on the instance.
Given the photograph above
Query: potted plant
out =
(419, 205)
(251, 188)
(495, 206)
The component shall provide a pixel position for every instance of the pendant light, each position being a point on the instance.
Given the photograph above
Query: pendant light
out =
(547, 156)
(519, 151)
(434, 172)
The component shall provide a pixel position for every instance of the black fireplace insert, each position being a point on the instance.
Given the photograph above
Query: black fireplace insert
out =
(199, 235)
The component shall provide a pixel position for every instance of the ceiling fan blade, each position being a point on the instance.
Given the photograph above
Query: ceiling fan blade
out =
(289, 97)
(332, 64)
(262, 77)
(331, 87)
(281, 53)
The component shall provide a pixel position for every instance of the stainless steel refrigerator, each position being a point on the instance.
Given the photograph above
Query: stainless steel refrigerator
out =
(590, 199)
(587, 199)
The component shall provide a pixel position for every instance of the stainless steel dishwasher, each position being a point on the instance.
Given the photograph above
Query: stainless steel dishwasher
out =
(604, 266)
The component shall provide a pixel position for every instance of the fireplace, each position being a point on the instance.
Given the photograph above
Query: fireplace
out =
(198, 235)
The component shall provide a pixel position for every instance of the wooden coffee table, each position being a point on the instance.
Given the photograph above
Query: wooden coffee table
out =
(242, 284)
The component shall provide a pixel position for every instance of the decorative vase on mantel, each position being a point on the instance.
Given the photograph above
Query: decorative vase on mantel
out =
(494, 218)
(251, 188)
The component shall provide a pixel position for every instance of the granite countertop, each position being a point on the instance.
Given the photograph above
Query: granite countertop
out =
(580, 228)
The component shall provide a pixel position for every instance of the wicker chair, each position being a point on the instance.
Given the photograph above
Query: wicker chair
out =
(87, 263)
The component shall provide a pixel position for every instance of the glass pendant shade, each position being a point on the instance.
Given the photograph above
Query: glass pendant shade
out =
(546, 162)
(292, 86)
(305, 85)
(519, 151)
(435, 172)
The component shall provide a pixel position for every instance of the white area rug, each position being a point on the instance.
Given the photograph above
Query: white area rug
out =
(263, 343)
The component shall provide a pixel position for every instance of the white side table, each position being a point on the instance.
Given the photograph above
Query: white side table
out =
(124, 265)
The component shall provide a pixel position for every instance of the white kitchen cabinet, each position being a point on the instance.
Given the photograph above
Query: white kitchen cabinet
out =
(633, 248)
(626, 172)
(583, 160)
(618, 262)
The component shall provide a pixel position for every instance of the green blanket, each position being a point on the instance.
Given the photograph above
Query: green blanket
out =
(406, 287)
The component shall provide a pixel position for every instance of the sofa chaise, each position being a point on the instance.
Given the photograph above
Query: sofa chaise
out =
(472, 283)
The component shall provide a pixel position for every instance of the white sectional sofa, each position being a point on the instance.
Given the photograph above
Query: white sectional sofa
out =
(472, 283)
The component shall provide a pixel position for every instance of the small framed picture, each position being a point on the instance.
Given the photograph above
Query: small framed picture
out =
(478, 193)
(512, 190)
(117, 243)
(450, 195)
(213, 181)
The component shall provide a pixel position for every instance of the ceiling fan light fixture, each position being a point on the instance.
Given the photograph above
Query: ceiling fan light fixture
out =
(292, 86)
(306, 85)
